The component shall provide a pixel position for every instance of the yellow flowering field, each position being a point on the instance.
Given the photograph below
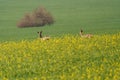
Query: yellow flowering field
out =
(66, 58)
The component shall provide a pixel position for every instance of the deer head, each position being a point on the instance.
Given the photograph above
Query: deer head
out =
(40, 34)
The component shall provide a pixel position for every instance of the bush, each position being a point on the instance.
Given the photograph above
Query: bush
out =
(39, 17)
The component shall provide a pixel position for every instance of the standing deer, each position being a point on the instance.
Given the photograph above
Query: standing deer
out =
(85, 35)
(41, 37)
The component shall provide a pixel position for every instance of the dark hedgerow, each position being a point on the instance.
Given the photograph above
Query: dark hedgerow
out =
(39, 17)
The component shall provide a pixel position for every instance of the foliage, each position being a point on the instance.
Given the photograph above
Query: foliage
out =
(66, 58)
(39, 17)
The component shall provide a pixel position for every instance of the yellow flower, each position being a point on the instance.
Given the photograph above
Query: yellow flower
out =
(5, 78)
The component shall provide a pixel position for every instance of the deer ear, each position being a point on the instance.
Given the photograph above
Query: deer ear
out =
(81, 30)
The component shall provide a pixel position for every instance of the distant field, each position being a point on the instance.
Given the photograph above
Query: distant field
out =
(94, 16)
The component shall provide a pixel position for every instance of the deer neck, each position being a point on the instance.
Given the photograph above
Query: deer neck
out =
(81, 34)
(40, 35)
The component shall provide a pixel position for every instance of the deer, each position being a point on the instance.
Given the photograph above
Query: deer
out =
(41, 37)
(85, 35)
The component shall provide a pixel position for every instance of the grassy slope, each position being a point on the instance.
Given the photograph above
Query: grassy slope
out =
(92, 15)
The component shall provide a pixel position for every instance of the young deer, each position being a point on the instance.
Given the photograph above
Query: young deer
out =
(85, 35)
(41, 37)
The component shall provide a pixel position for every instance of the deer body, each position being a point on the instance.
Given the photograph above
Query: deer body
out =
(45, 38)
(85, 35)
(41, 37)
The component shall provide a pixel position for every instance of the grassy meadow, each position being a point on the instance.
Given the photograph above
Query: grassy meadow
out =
(66, 56)
(97, 17)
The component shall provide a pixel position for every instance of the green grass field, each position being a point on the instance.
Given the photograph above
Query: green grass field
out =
(97, 17)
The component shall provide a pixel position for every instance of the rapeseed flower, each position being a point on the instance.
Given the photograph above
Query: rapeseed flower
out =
(69, 57)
